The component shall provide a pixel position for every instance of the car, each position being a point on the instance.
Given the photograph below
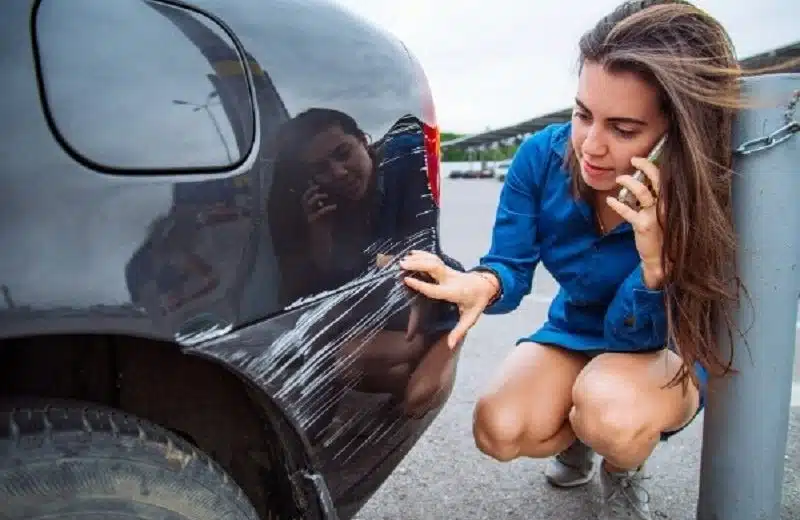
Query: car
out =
(502, 170)
(484, 172)
(204, 207)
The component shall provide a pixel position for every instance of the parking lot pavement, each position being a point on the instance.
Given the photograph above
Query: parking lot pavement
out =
(446, 477)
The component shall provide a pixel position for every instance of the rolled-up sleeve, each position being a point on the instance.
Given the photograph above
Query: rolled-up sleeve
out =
(637, 316)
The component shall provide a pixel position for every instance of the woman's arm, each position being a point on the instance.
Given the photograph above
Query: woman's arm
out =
(514, 252)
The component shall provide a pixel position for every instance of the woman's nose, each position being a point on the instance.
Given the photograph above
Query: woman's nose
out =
(593, 144)
(338, 170)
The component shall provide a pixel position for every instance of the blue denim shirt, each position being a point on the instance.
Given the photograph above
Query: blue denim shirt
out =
(603, 303)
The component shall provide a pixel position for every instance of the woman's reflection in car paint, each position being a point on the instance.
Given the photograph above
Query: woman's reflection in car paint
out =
(323, 202)
(338, 206)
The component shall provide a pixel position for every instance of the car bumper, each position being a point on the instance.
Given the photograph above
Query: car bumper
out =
(357, 389)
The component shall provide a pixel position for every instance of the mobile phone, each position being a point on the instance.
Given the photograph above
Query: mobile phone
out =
(625, 196)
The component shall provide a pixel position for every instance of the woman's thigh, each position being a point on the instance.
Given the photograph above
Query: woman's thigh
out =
(630, 392)
(531, 394)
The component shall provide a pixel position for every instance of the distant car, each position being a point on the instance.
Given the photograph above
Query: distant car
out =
(501, 170)
(481, 173)
(203, 208)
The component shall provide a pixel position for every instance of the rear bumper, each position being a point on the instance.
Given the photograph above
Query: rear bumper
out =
(356, 389)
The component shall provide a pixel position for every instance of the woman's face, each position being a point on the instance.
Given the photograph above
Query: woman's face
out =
(617, 116)
(339, 162)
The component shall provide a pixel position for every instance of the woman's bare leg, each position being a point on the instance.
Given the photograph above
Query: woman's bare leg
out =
(524, 413)
(622, 405)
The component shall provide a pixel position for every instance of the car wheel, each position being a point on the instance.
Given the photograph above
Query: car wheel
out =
(80, 461)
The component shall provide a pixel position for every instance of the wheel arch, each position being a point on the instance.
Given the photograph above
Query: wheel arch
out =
(239, 426)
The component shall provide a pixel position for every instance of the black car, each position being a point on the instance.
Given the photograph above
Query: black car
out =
(203, 206)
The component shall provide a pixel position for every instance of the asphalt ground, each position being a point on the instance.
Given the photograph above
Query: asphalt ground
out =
(446, 477)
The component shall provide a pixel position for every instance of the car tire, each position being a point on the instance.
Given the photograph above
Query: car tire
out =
(80, 461)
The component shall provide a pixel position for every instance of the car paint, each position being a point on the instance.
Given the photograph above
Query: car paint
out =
(101, 236)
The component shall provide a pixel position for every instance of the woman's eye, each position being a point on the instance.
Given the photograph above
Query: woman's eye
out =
(341, 153)
(626, 134)
(582, 116)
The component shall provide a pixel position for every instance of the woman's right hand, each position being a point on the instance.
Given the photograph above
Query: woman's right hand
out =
(471, 292)
(315, 203)
(315, 207)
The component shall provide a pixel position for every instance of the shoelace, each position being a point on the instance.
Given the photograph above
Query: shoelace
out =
(631, 489)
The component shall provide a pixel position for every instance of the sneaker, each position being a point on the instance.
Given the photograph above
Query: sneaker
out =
(574, 466)
(624, 495)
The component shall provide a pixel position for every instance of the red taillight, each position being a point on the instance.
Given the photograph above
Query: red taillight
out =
(432, 158)
(431, 132)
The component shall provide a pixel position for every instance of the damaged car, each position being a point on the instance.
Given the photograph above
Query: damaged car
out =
(204, 206)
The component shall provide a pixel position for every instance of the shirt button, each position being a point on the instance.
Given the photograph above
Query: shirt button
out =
(630, 321)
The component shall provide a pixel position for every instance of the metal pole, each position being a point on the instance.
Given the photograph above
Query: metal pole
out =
(747, 415)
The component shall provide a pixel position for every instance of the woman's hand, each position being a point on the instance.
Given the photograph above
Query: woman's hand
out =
(315, 203)
(471, 292)
(315, 206)
(648, 232)
(418, 307)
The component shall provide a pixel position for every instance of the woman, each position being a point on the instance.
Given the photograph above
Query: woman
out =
(324, 182)
(621, 362)
(340, 205)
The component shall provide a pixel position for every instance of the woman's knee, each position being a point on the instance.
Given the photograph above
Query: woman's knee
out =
(497, 428)
(608, 415)
(502, 430)
(526, 407)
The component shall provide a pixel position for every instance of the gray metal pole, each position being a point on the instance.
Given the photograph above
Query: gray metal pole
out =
(747, 415)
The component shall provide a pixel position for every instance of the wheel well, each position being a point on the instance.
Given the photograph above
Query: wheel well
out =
(194, 397)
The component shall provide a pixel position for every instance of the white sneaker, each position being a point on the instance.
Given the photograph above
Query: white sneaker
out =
(573, 467)
(624, 495)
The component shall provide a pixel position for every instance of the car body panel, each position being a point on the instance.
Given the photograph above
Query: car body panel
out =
(141, 197)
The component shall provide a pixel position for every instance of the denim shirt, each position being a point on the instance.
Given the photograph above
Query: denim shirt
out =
(602, 303)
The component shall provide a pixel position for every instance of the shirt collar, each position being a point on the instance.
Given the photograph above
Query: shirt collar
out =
(561, 138)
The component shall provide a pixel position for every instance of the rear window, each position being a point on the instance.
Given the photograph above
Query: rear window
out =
(143, 86)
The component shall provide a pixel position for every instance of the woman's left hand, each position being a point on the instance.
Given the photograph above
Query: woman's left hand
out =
(648, 232)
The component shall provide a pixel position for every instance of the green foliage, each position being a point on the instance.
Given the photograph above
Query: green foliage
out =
(500, 153)
(449, 136)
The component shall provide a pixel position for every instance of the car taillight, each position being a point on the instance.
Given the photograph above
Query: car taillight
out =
(431, 133)
(432, 158)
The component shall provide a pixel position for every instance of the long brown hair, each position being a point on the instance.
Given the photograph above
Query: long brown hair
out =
(690, 58)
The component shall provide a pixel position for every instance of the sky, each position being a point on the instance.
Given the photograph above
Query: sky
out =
(493, 63)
